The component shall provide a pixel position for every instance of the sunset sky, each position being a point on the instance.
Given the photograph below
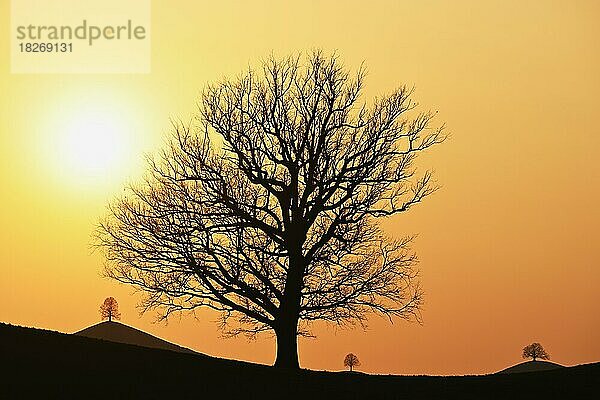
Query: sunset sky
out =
(509, 247)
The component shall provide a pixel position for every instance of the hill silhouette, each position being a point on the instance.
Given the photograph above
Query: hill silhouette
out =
(121, 333)
(531, 366)
(46, 364)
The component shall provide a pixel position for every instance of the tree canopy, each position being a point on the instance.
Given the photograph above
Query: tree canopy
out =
(535, 351)
(109, 309)
(351, 361)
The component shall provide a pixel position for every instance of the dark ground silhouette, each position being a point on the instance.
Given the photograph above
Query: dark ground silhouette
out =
(531, 366)
(46, 364)
(121, 333)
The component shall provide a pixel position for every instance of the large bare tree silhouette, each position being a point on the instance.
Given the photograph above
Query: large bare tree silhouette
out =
(266, 208)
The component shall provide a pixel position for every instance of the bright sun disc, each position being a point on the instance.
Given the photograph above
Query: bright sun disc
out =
(94, 146)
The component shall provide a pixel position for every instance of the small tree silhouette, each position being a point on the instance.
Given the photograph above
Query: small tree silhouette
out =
(535, 350)
(351, 361)
(110, 309)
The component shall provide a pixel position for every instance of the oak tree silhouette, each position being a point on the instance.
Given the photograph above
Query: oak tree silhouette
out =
(351, 361)
(265, 209)
(535, 350)
(110, 309)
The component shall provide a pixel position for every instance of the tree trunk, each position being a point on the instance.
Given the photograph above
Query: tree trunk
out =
(286, 328)
(287, 345)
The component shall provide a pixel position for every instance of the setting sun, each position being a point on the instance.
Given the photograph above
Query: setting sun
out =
(94, 144)
(97, 147)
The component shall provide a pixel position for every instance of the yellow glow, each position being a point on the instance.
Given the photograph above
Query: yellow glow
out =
(95, 145)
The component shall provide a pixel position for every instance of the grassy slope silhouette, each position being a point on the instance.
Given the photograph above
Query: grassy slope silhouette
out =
(121, 333)
(46, 364)
(531, 366)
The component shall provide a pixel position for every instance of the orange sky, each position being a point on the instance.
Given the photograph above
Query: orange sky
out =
(509, 247)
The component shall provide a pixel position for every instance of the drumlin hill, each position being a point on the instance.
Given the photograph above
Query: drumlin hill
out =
(85, 31)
